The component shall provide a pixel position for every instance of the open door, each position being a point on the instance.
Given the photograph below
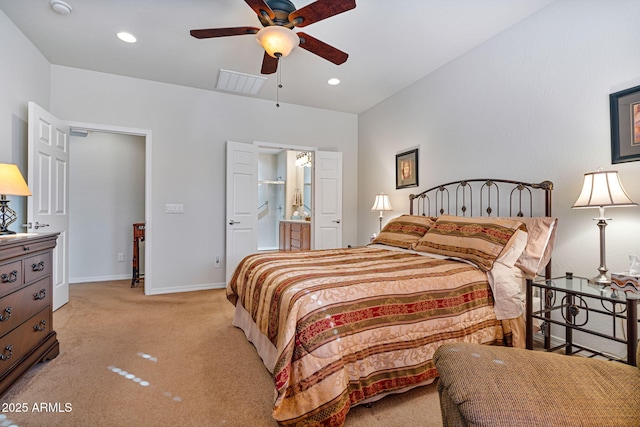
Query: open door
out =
(242, 203)
(327, 186)
(48, 179)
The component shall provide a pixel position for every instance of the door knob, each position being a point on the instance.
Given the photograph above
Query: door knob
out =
(231, 222)
(337, 221)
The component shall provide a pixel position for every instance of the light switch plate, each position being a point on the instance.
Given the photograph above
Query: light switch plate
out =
(174, 208)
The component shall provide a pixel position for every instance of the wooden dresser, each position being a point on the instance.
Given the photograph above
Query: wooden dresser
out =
(26, 320)
(295, 235)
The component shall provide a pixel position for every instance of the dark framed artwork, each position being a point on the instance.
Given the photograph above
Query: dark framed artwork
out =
(407, 169)
(625, 125)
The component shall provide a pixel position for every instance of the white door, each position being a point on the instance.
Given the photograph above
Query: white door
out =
(48, 178)
(242, 203)
(327, 188)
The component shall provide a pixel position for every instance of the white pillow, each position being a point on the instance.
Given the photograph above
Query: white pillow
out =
(510, 254)
(507, 284)
(540, 243)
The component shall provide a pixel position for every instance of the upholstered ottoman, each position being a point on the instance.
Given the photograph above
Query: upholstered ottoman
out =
(482, 385)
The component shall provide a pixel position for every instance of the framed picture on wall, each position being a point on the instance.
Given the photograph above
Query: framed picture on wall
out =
(625, 125)
(407, 169)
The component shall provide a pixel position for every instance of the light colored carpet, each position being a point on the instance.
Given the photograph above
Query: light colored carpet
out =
(166, 360)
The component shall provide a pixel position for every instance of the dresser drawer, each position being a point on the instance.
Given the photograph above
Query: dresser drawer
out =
(24, 338)
(36, 267)
(10, 277)
(17, 307)
(25, 248)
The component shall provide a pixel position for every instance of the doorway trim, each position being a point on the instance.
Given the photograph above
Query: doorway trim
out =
(147, 134)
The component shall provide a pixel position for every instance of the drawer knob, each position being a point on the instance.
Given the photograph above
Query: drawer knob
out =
(40, 326)
(40, 295)
(4, 355)
(38, 267)
(10, 278)
(3, 317)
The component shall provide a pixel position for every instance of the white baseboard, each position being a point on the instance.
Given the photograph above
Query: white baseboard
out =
(189, 288)
(73, 280)
(161, 291)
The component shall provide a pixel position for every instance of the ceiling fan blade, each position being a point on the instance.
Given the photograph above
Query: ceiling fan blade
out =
(319, 10)
(322, 49)
(269, 64)
(223, 32)
(260, 5)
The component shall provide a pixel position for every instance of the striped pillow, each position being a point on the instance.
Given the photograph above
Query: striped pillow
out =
(477, 240)
(404, 231)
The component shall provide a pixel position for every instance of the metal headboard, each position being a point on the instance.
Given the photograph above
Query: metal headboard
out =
(481, 197)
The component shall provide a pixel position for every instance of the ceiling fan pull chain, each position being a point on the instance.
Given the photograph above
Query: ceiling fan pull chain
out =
(279, 81)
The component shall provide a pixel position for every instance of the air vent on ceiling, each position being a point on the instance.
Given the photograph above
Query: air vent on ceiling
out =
(246, 84)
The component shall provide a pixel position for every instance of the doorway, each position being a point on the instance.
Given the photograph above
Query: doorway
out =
(284, 192)
(242, 200)
(117, 196)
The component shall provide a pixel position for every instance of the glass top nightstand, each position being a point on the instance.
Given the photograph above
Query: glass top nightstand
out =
(575, 301)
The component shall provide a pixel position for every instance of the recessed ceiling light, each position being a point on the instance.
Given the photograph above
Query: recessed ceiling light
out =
(126, 37)
(333, 81)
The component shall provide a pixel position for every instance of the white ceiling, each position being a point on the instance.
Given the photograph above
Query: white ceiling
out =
(391, 44)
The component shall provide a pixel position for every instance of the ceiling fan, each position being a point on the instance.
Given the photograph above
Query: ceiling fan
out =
(278, 18)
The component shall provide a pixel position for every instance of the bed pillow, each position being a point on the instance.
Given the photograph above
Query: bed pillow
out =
(540, 242)
(512, 252)
(479, 240)
(404, 231)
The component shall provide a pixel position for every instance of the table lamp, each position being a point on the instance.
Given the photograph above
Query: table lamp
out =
(11, 184)
(381, 204)
(602, 189)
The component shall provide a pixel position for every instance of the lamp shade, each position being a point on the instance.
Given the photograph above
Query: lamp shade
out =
(11, 181)
(277, 40)
(602, 189)
(381, 203)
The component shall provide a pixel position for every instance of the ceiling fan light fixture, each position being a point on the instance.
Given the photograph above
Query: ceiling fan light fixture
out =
(277, 41)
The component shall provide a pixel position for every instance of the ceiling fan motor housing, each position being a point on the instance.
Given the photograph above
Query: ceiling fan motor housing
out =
(282, 9)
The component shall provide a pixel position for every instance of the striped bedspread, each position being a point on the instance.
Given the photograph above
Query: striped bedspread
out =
(352, 324)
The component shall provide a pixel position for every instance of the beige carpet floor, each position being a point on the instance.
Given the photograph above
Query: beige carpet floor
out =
(127, 359)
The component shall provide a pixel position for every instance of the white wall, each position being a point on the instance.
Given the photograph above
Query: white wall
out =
(24, 76)
(190, 128)
(107, 189)
(530, 104)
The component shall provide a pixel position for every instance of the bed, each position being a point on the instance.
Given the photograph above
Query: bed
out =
(342, 327)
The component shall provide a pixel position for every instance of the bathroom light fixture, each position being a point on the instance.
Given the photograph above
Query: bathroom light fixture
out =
(602, 189)
(333, 81)
(11, 183)
(127, 37)
(303, 159)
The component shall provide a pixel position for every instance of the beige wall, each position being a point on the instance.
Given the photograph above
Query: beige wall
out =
(532, 104)
(24, 77)
(190, 128)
